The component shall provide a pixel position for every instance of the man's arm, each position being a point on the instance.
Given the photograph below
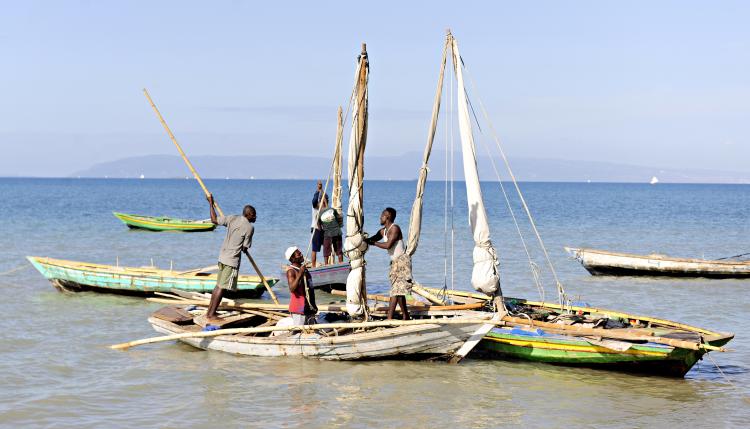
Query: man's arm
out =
(377, 237)
(210, 199)
(393, 233)
(294, 277)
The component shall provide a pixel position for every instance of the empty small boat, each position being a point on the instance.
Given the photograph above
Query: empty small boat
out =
(600, 262)
(163, 223)
(82, 276)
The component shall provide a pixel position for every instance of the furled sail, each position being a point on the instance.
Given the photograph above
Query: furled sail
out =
(415, 219)
(355, 245)
(484, 276)
(336, 197)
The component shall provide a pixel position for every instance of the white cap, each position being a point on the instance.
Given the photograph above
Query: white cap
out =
(290, 251)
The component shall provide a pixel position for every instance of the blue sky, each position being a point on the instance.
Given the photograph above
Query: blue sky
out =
(652, 83)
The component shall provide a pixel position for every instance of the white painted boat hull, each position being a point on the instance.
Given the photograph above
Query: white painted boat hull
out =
(396, 342)
(599, 262)
(330, 276)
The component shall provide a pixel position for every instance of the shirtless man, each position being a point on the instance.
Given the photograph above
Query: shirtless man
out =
(239, 238)
(400, 270)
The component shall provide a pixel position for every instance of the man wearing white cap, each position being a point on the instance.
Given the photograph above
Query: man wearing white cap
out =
(302, 303)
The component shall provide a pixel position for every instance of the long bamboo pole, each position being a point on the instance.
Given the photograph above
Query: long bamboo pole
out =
(179, 149)
(203, 186)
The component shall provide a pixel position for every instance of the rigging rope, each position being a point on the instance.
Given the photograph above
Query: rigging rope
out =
(733, 257)
(330, 171)
(535, 272)
(560, 290)
(13, 270)
(720, 371)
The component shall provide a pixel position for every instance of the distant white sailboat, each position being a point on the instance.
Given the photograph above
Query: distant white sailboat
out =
(654, 180)
(142, 176)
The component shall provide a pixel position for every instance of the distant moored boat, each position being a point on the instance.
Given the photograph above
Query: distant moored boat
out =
(600, 262)
(163, 223)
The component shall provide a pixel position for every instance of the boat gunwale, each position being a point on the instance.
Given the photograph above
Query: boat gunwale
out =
(615, 313)
(315, 339)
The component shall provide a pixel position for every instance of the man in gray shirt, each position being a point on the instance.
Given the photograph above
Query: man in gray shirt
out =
(239, 238)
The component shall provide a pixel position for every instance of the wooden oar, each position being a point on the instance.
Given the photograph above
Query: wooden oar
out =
(205, 190)
(477, 336)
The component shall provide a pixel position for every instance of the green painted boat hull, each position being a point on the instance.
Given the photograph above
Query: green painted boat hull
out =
(652, 358)
(76, 276)
(156, 223)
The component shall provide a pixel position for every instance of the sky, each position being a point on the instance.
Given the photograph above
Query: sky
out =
(641, 82)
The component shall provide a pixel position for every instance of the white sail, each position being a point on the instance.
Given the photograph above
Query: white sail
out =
(355, 246)
(484, 275)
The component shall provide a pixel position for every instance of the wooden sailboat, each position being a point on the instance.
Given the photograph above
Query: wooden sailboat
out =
(84, 276)
(554, 333)
(435, 334)
(604, 263)
(164, 223)
(334, 341)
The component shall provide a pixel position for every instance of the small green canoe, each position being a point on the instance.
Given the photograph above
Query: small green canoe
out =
(154, 223)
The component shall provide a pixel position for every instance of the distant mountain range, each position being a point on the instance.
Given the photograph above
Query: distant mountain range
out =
(403, 167)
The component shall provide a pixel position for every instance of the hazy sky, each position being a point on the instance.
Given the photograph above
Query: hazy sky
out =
(652, 83)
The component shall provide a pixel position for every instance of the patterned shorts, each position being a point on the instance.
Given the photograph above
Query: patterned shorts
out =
(400, 275)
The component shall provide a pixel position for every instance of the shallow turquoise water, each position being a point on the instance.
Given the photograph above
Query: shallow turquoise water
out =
(56, 371)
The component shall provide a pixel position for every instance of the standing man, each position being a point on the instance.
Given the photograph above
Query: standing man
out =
(315, 228)
(332, 222)
(239, 238)
(400, 271)
(302, 302)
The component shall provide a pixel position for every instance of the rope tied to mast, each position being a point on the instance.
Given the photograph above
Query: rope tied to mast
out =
(562, 297)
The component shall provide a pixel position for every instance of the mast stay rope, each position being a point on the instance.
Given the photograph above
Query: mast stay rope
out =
(562, 297)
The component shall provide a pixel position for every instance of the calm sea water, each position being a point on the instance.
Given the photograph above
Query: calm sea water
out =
(55, 368)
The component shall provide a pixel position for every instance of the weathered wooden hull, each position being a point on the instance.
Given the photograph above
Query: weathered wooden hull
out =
(156, 223)
(81, 276)
(599, 262)
(414, 341)
(539, 346)
(326, 277)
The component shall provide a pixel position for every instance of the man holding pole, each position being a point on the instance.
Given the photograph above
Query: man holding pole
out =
(238, 240)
